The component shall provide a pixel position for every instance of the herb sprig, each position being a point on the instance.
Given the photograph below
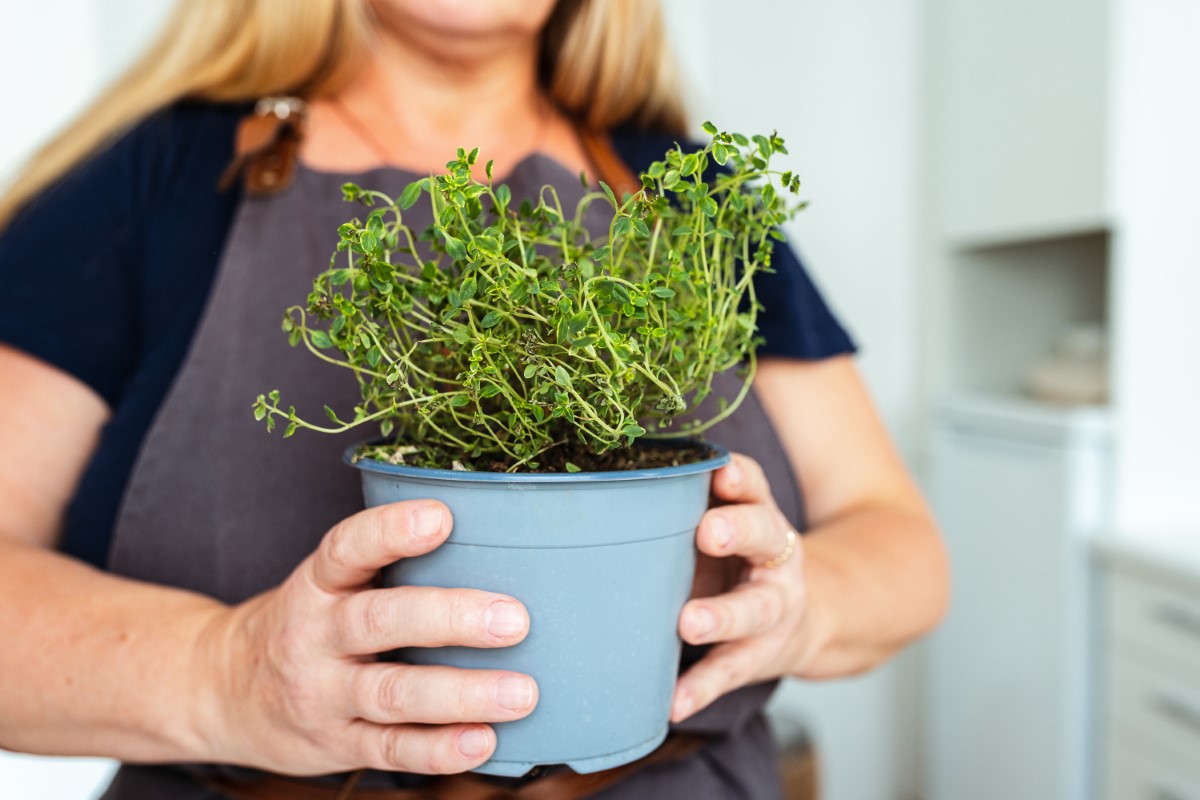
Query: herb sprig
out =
(521, 333)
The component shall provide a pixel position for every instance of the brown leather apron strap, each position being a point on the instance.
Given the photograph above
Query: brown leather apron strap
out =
(609, 166)
(266, 147)
(564, 785)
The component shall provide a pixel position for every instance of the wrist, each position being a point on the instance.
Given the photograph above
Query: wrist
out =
(819, 623)
(211, 678)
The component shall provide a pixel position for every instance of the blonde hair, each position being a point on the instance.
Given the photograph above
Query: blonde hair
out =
(603, 62)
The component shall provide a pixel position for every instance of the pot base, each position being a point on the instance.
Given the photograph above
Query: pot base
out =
(583, 766)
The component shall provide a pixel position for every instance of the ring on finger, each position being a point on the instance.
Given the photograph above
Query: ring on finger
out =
(788, 550)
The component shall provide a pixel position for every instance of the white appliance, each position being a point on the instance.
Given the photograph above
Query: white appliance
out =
(1018, 487)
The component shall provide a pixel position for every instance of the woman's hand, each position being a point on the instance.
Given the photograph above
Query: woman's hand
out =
(759, 626)
(300, 691)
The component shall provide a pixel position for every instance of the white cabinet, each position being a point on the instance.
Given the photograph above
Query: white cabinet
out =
(1062, 133)
(1020, 102)
(1149, 660)
(1016, 487)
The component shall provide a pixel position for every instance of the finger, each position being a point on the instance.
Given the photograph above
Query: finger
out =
(429, 750)
(725, 668)
(378, 620)
(742, 480)
(395, 693)
(757, 532)
(750, 609)
(359, 546)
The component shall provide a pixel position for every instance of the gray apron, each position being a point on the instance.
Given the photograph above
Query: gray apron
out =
(216, 505)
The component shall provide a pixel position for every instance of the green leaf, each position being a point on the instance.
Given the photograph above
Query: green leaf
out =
(333, 417)
(683, 230)
(487, 244)
(461, 335)
(503, 195)
(621, 226)
(612, 198)
(641, 228)
(720, 154)
(709, 128)
(460, 400)
(633, 431)
(530, 370)
(561, 376)
(491, 390)
(490, 320)
(663, 292)
(320, 339)
(455, 248)
(709, 207)
(467, 290)
(572, 468)
(411, 193)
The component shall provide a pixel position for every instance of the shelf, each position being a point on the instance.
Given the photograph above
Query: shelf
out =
(1009, 304)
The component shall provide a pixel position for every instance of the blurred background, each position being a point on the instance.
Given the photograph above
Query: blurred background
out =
(1005, 213)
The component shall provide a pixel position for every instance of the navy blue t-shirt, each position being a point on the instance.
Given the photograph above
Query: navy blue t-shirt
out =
(105, 275)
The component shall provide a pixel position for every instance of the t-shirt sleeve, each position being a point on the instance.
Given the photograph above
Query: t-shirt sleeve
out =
(795, 321)
(68, 261)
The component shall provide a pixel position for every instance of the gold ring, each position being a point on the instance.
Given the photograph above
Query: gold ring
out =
(788, 550)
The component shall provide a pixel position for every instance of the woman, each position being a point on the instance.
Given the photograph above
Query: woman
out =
(176, 591)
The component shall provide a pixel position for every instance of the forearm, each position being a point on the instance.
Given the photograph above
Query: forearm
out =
(876, 579)
(93, 664)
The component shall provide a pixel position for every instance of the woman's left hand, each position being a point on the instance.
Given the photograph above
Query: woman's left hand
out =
(753, 614)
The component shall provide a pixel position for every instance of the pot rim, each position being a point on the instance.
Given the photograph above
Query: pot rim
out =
(719, 458)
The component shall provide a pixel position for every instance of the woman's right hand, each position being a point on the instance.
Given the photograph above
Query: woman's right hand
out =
(298, 690)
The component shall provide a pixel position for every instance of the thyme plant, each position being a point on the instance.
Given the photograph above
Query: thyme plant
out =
(505, 331)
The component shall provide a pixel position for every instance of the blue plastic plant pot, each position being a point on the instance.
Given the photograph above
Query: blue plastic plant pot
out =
(602, 561)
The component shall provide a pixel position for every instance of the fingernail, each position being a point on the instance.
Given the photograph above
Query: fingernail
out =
(514, 693)
(683, 705)
(504, 619)
(703, 621)
(474, 742)
(733, 473)
(722, 531)
(427, 521)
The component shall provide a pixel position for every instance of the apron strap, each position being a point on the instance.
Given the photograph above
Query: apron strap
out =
(266, 147)
(608, 165)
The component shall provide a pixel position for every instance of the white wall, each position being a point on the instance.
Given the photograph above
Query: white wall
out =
(1155, 167)
(840, 82)
(43, 79)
